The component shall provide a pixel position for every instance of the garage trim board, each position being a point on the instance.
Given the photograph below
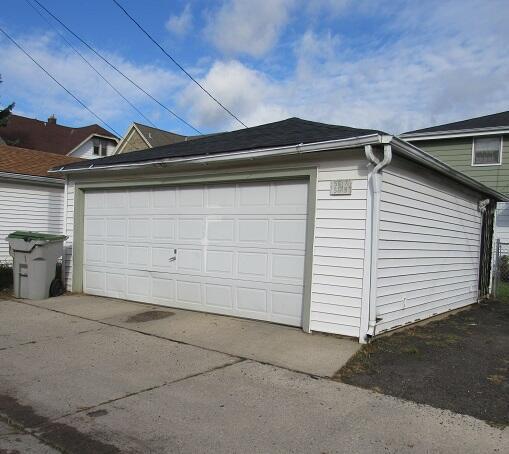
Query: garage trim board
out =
(306, 176)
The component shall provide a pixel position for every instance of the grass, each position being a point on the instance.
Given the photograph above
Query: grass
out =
(503, 291)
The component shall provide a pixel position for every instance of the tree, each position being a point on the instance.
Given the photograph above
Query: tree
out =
(5, 113)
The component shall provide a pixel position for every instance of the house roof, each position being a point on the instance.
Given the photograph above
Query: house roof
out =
(23, 161)
(158, 137)
(497, 120)
(293, 131)
(46, 135)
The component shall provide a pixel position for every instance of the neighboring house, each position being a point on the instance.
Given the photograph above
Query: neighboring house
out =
(478, 147)
(141, 137)
(287, 222)
(87, 142)
(30, 198)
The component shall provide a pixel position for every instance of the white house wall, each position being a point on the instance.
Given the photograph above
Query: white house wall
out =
(502, 222)
(429, 245)
(338, 242)
(29, 207)
(86, 150)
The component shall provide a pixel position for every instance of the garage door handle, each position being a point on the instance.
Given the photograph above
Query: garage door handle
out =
(172, 259)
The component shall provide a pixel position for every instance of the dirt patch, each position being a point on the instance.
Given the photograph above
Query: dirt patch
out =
(460, 363)
(60, 436)
(149, 316)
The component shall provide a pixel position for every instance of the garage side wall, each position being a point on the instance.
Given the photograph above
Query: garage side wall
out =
(29, 207)
(338, 246)
(338, 263)
(69, 231)
(429, 245)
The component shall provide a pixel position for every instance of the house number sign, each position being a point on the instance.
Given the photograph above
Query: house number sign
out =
(341, 187)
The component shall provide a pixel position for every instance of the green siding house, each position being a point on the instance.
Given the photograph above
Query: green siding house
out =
(478, 147)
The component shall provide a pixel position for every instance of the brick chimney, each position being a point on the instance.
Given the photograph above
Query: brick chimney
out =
(52, 120)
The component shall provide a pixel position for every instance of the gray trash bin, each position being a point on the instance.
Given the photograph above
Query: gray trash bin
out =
(35, 258)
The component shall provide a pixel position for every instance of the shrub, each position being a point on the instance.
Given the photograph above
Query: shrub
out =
(5, 276)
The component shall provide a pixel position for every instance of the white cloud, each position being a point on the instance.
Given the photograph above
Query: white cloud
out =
(37, 95)
(248, 27)
(246, 92)
(180, 24)
(428, 72)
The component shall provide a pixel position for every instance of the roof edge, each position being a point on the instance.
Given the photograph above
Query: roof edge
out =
(452, 133)
(242, 154)
(50, 181)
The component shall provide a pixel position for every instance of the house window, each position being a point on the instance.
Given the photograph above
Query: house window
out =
(100, 147)
(97, 145)
(487, 151)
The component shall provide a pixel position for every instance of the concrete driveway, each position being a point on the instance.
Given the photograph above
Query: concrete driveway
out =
(83, 374)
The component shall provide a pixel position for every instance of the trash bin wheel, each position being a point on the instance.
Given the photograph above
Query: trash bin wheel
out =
(56, 288)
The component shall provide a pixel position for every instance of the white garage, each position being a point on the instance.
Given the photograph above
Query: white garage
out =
(333, 229)
(235, 249)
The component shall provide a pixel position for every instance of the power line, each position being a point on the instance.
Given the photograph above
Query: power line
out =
(90, 64)
(178, 64)
(116, 69)
(57, 82)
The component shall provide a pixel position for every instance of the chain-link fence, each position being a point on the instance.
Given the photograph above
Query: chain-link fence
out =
(500, 288)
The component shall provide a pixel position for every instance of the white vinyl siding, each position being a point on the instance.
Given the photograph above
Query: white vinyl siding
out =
(29, 207)
(429, 246)
(502, 222)
(69, 231)
(338, 260)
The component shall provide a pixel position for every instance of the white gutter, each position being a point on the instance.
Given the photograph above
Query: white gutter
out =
(368, 312)
(50, 181)
(246, 154)
(401, 146)
(432, 135)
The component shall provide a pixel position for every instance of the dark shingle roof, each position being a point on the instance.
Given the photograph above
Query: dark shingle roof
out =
(158, 137)
(43, 136)
(292, 131)
(500, 119)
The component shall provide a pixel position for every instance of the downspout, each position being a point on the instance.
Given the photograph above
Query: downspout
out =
(374, 188)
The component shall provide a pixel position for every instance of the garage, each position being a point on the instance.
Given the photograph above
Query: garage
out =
(329, 228)
(235, 249)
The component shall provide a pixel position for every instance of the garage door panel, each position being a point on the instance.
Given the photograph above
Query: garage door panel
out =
(221, 197)
(139, 229)
(116, 228)
(240, 248)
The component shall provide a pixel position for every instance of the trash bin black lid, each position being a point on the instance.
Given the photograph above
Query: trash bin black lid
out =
(36, 236)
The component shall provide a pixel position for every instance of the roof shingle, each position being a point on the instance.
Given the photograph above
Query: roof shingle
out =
(496, 120)
(292, 131)
(45, 136)
(31, 162)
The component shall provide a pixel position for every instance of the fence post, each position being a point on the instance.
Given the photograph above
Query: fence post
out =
(496, 274)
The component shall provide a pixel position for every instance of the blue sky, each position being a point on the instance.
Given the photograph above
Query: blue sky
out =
(392, 65)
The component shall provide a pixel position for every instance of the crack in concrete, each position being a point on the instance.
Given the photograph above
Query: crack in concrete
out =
(48, 339)
(177, 341)
(151, 388)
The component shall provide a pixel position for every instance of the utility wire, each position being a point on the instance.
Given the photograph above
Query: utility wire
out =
(178, 64)
(90, 64)
(57, 82)
(116, 69)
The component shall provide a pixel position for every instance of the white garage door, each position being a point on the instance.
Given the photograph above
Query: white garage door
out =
(235, 249)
